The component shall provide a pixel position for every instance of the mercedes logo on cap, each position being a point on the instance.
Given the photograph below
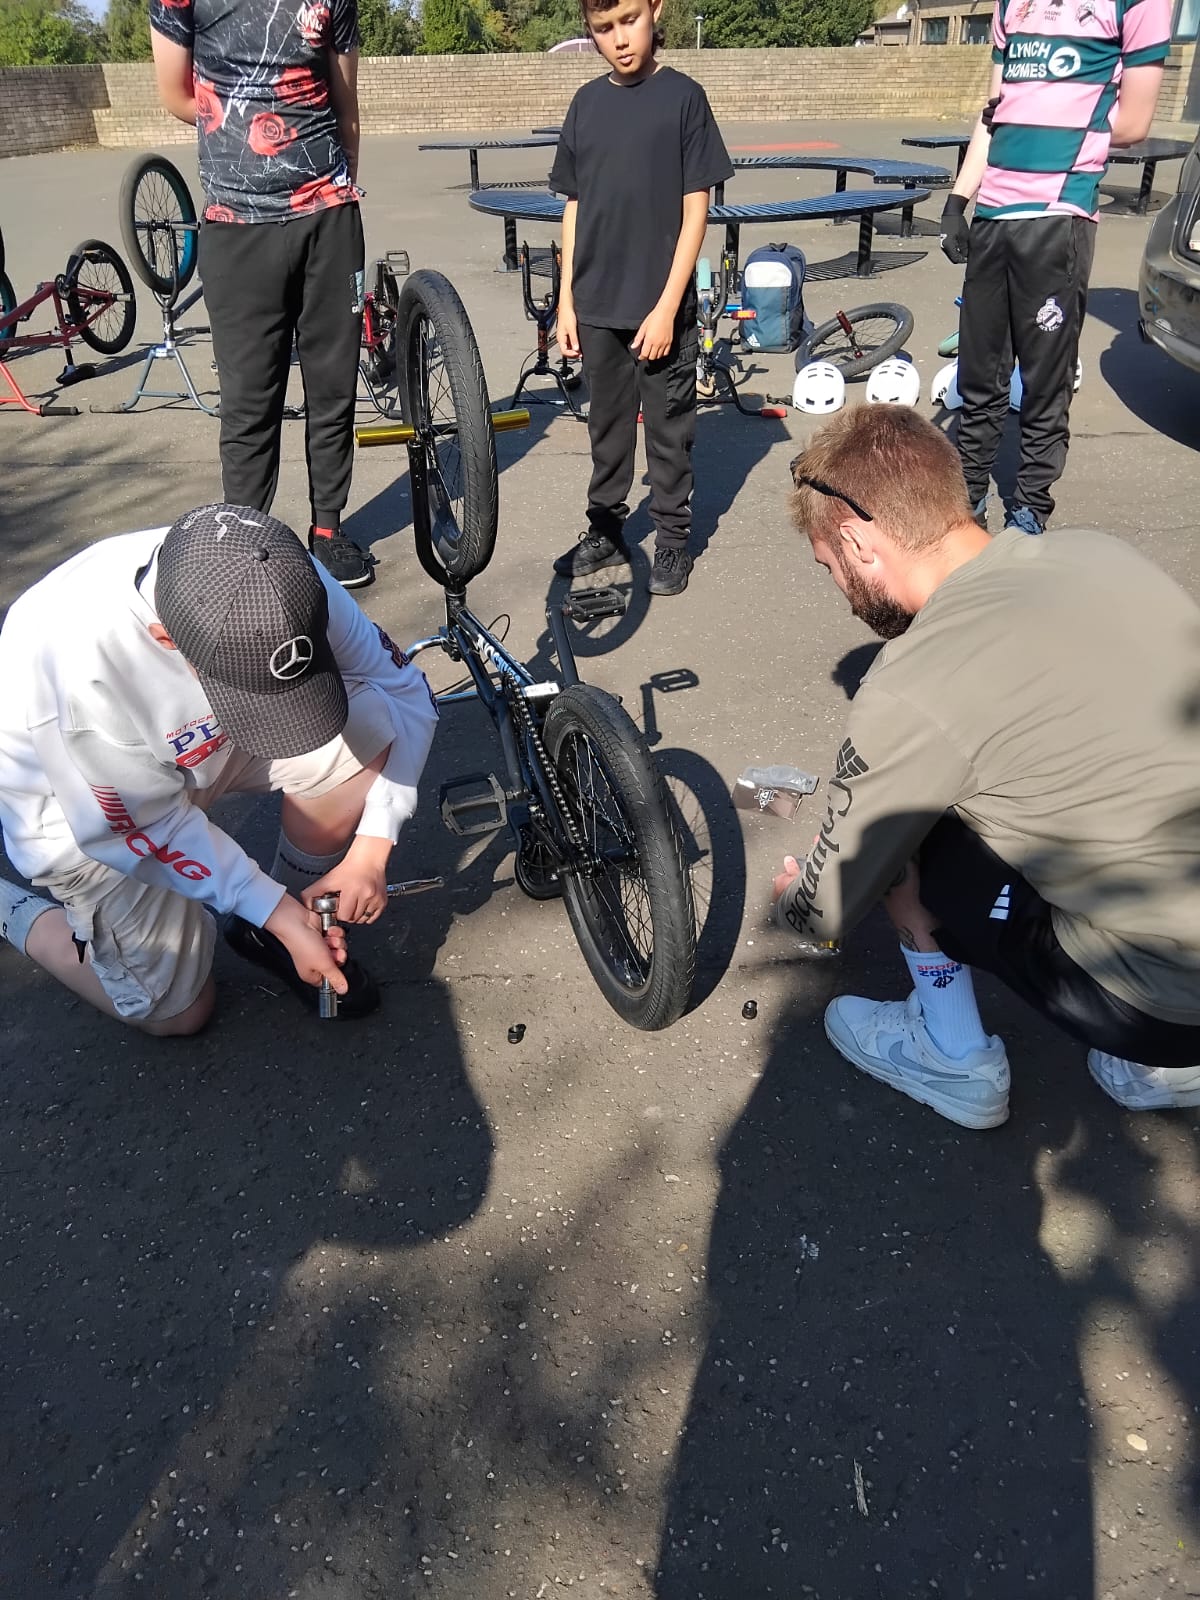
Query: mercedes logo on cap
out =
(292, 658)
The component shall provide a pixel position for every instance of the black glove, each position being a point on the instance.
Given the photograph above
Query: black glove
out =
(989, 111)
(955, 237)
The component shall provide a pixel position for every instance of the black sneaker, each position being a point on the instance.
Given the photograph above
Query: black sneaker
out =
(593, 551)
(265, 950)
(672, 569)
(342, 560)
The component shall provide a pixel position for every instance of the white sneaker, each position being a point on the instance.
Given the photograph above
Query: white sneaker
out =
(889, 1039)
(1139, 1088)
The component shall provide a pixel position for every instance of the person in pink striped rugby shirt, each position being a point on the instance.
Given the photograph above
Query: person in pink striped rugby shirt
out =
(1070, 79)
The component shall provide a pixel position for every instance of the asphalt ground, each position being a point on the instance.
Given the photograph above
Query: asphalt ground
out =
(400, 1307)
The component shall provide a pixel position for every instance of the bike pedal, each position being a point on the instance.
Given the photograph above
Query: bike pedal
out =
(473, 804)
(589, 605)
(398, 261)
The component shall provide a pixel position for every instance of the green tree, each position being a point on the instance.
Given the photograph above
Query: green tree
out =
(538, 24)
(127, 31)
(734, 24)
(678, 23)
(46, 33)
(460, 28)
(387, 28)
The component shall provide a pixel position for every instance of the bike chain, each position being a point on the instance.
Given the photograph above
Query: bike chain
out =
(525, 716)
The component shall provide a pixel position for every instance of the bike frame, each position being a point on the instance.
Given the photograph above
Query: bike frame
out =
(63, 338)
(498, 681)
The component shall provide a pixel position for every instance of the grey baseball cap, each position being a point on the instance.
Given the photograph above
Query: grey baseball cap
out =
(243, 603)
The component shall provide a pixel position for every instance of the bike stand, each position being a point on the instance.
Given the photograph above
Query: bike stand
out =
(167, 350)
(70, 374)
(543, 313)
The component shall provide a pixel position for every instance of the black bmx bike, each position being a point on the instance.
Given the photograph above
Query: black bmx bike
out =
(579, 792)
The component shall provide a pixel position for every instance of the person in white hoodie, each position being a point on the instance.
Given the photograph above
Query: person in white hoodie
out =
(146, 678)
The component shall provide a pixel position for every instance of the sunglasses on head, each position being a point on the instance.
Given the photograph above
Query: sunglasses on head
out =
(828, 490)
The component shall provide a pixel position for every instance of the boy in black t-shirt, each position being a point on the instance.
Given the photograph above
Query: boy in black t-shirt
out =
(638, 154)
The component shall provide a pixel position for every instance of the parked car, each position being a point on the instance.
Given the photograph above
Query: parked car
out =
(1169, 281)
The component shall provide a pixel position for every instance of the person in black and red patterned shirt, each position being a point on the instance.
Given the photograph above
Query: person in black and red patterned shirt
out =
(272, 88)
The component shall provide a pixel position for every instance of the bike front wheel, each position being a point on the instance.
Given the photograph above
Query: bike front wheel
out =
(158, 224)
(631, 905)
(100, 297)
(856, 341)
(444, 396)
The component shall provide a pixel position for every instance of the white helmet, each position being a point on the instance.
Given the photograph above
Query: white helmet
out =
(1078, 377)
(819, 389)
(943, 391)
(894, 382)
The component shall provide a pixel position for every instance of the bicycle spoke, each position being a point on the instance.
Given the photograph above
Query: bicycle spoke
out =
(863, 338)
(441, 424)
(98, 285)
(616, 887)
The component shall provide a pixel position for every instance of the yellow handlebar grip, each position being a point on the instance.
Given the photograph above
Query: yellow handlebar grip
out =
(510, 421)
(384, 433)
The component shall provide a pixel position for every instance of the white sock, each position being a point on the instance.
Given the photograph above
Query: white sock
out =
(946, 993)
(19, 910)
(296, 870)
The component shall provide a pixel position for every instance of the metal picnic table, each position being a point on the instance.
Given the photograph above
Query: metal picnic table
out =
(942, 141)
(1150, 152)
(542, 206)
(533, 141)
(909, 174)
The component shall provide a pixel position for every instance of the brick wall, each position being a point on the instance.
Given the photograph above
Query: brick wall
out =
(48, 108)
(1179, 100)
(470, 94)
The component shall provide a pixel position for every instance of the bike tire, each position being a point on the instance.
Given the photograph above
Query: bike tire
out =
(154, 204)
(98, 267)
(880, 331)
(645, 973)
(8, 302)
(444, 396)
(2, 250)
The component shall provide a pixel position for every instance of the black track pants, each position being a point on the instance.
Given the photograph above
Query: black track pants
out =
(618, 383)
(1024, 297)
(267, 285)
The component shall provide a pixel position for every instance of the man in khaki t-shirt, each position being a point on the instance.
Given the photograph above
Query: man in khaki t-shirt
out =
(1019, 784)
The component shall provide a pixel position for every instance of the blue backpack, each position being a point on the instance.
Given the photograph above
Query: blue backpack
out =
(773, 288)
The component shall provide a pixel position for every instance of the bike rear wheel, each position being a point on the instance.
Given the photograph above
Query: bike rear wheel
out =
(631, 913)
(101, 278)
(158, 224)
(444, 396)
(856, 341)
(8, 302)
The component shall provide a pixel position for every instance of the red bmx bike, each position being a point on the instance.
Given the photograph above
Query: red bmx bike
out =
(93, 302)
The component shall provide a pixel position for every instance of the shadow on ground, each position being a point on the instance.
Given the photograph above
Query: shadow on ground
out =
(1157, 390)
(891, 1403)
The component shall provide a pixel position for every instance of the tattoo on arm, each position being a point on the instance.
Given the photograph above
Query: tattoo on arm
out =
(907, 939)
